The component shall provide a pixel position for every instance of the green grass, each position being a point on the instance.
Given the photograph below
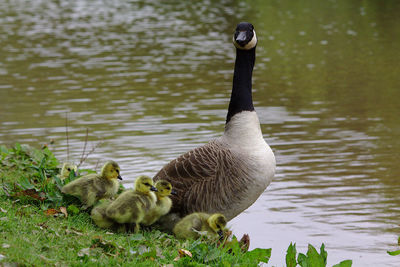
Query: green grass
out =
(30, 237)
(39, 226)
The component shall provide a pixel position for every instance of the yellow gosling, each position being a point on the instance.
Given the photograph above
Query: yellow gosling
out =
(132, 205)
(93, 187)
(66, 169)
(200, 224)
(163, 204)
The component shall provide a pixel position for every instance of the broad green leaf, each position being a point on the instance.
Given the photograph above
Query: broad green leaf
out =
(314, 259)
(323, 253)
(394, 253)
(291, 255)
(302, 260)
(233, 246)
(346, 263)
(259, 254)
(72, 175)
(72, 209)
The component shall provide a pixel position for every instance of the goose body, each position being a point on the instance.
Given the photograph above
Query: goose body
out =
(229, 173)
(93, 187)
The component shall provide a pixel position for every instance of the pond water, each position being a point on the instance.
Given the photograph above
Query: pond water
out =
(152, 79)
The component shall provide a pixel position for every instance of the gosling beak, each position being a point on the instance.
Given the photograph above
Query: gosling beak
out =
(221, 234)
(153, 189)
(119, 177)
(241, 38)
(173, 192)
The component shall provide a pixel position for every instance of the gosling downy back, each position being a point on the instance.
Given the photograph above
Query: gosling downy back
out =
(98, 214)
(228, 174)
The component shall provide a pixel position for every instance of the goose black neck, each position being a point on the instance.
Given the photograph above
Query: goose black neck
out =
(241, 97)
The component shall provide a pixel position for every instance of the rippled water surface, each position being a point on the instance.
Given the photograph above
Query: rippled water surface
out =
(152, 79)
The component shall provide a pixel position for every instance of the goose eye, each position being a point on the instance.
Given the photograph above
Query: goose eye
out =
(168, 188)
(69, 169)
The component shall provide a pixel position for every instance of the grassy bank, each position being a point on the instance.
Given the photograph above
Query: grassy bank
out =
(40, 226)
(30, 237)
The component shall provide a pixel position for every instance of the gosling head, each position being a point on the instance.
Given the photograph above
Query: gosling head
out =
(67, 168)
(111, 170)
(144, 184)
(245, 37)
(217, 222)
(164, 189)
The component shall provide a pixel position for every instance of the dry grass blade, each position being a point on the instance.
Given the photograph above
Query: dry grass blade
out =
(66, 132)
(64, 211)
(50, 212)
(90, 152)
(84, 147)
(183, 253)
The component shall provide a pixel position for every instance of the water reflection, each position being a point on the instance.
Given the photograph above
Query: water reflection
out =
(152, 80)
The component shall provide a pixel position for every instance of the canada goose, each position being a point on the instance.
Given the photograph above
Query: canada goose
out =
(229, 173)
(93, 187)
(131, 206)
(199, 224)
(66, 169)
(163, 204)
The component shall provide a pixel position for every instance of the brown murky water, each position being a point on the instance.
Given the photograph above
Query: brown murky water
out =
(152, 80)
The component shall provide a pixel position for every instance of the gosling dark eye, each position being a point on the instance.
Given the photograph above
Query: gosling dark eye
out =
(117, 171)
(168, 188)
(147, 184)
(69, 169)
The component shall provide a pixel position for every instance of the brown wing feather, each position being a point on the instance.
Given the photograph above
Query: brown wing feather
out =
(205, 179)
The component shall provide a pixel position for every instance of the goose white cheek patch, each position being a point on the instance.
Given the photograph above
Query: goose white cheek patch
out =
(249, 45)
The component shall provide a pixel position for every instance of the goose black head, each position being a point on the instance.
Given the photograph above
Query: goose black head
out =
(245, 37)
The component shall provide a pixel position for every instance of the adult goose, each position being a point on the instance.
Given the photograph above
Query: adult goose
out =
(229, 173)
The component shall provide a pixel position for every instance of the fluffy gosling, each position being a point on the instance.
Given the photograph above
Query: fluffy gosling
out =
(99, 216)
(131, 206)
(200, 224)
(163, 204)
(66, 169)
(93, 187)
